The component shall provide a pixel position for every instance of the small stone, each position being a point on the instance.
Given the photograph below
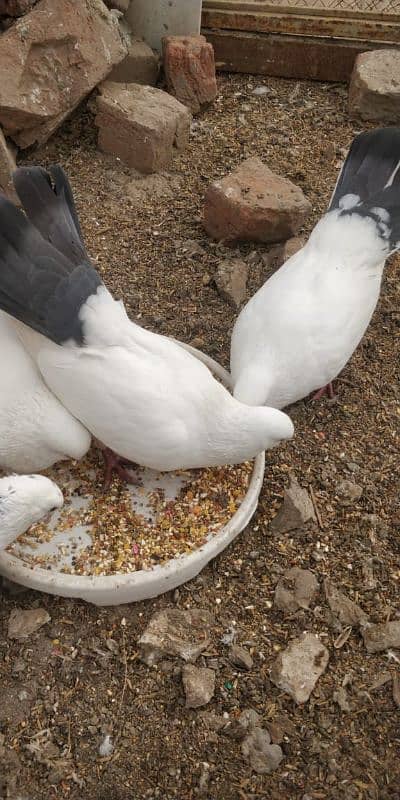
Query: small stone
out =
(382, 636)
(106, 746)
(173, 632)
(262, 756)
(340, 697)
(212, 721)
(235, 731)
(189, 68)
(249, 719)
(22, 623)
(199, 685)
(240, 657)
(367, 569)
(231, 280)
(296, 510)
(198, 342)
(191, 248)
(348, 612)
(276, 732)
(299, 667)
(279, 727)
(261, 90)
(348, 492)
(141, 65)
(296, 589)
(374, 92)
(280, 253)
(254, 204)
(141, 125)
(204, 779)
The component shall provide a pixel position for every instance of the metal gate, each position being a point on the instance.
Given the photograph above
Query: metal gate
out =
(299, 38)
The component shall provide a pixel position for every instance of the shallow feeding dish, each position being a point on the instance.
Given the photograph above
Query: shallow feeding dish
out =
(48, 566)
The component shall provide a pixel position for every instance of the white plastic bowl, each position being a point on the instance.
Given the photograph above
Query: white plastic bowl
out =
(121, 588)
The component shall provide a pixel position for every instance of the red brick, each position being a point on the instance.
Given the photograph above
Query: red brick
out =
(254, 204)
(142, 125)
(139, 66)
(190, 70)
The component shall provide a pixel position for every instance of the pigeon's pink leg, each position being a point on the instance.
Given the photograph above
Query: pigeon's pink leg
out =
(328, 389)
(114, 463)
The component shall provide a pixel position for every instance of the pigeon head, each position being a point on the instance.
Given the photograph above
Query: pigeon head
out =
(25, 499)
(268, 426)
(256, 428)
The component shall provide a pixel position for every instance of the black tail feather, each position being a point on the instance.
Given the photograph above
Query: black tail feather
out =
(38, 284)
(51, 209)
(370, 164)
(369, 182)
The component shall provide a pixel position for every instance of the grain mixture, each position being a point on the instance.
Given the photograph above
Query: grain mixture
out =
(125, 540)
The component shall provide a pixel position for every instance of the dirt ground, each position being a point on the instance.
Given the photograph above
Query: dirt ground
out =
(80, 677)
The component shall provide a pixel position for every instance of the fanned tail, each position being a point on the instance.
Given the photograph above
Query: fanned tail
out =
(38, 284)
(51, 208)
(369, 183)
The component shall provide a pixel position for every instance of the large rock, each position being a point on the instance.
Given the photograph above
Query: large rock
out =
(50, 60)
(298, 668)
(142, 125)
(7, 167)
(255, 204)
(139, 66)
(375, 86)
(190, 70)
(173, 632)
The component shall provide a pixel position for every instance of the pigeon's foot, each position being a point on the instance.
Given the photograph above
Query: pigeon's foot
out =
(325, 390)
(114, 463)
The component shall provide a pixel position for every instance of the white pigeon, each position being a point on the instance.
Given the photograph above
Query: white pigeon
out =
(35, 428)
(140, 394)
(25, 499)
(299, 330)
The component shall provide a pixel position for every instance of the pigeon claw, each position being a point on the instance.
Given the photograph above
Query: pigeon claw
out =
(114, 464)
(325, 390)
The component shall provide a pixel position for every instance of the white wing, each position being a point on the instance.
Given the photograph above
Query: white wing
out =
(301, 327)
